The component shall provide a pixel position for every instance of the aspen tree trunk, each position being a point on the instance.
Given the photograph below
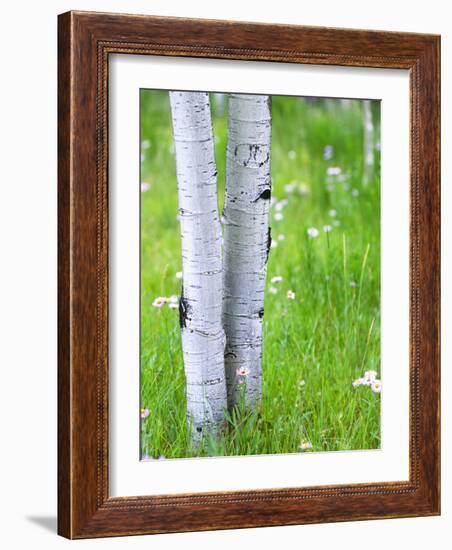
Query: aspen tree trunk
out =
(246, 243)
(368, 141)
(202, 288)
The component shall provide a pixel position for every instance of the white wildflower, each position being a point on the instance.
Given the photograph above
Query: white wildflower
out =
(179, 275)
(145, 186)
(305, 445)
(278, 216)
(289, 187)
(370, 375)
(145, 144)
(376, 386)
(281, 237)
(332, 213)
(276, 279)
(291, 295)
(242, 371)
(359, 382)
(369, 379)
(313, 232)
(303, 189)
(328, 152)
(159, 301)
(333, 170)
(327, 228)
(273, 290)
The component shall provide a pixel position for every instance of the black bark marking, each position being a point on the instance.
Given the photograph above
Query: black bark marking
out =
(267, 158)
(269, 103)
(255, 151)
(261, 312)
(185, 310)
(212, 382)
(265, 195)
(269, 242)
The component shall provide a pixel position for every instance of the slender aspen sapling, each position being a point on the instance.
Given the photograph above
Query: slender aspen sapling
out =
(247, 242)
(368, 152)
(202, 289)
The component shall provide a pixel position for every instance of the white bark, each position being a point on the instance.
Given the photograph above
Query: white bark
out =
(368, 152)
(246, 243)
(202, 289)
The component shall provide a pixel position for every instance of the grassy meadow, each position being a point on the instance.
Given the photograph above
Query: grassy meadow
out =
(321, 336)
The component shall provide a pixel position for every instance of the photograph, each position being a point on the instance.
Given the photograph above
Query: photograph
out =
(260, 274)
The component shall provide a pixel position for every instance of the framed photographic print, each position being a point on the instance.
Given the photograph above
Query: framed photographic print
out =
(248, 275)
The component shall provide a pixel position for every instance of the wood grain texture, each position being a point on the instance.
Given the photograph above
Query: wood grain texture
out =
(64, 295)
(85, 42)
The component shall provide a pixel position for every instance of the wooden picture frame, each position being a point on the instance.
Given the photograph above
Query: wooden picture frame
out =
(85, 42)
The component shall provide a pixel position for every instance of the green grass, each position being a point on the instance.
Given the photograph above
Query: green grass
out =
(314, 345)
